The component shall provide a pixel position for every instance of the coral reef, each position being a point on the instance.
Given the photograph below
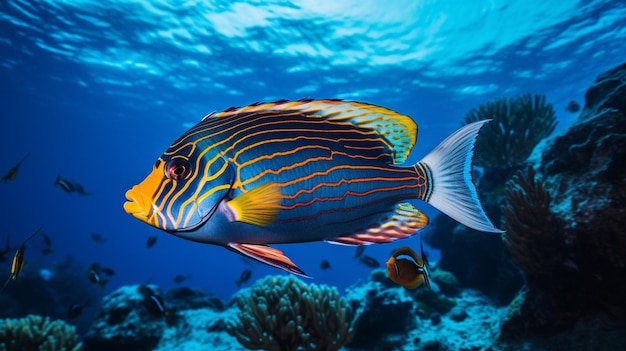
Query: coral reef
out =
(283, 313)
(517, 125)
(198, 323)
(383, 309)
(124, 323)
(568, 233)
(480, 260)
(395, 318)
(68, 285)
(185, 298)
(447, 282)
(34, 333)
(532, 232)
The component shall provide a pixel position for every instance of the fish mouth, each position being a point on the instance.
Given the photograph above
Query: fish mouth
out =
(139, 206)
(142, 208)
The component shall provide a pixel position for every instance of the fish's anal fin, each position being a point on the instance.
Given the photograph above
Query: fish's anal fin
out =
(259, 206)
(269, 256)
(405, 222)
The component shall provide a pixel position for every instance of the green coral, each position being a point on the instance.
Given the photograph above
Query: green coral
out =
(34, 333)
(429, 301)
(440, 276)
(517, 126)
(283, 313)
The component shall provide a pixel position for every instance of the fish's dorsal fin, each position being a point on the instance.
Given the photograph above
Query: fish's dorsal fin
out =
(399, 132)
(405, 222)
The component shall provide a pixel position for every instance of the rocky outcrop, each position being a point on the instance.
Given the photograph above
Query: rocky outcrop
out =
(124, 323)
(583, 171)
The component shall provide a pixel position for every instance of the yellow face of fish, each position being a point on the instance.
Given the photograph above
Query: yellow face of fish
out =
(182, 192)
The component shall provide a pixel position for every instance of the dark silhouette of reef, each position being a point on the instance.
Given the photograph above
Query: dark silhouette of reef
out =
(566, 221)
(68, 285)
(561, 264)
(480, 260)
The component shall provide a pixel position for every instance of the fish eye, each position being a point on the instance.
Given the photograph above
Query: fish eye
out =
(178, 169)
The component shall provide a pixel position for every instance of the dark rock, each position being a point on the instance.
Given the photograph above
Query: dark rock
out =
(382, 311)
(478, 260)
(124, 324)
(457, 314)
(185, 298)
(583, 169)
(608, 91)
(435, 318)
(429, 301)
(435, 346)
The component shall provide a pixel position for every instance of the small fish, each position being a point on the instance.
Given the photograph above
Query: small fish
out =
(324, 265)
(18, 260)
(359, 251)
(76, 310)
(12, 173)
(155, 305)
(107, 271)
(95, 276)
(69, 186)
(244, 277)
(152, 239)
(409, 273)
(48, 244)
(181, 278)
(246, 261)
(96, 237)
(279, 172)
(572, 107)
(369, 261)
(98, 267)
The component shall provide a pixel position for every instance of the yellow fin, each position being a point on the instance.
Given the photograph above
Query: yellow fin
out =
(398, 131)
(259, 206)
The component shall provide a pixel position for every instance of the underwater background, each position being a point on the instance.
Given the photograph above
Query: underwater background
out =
(95, 91)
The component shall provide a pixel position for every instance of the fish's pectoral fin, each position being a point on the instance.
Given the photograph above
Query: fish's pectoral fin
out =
(259, 206)
(267, 255)
(405, 221)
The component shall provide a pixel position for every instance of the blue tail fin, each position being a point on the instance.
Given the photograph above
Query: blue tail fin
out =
(453, 192)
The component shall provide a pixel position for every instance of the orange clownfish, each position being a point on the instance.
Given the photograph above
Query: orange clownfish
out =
(407, 272)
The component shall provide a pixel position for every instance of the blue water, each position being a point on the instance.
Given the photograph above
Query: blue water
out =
(95, 91)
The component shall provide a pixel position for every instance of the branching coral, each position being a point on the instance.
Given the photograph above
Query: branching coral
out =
(283, 313)
(517, 126)
(531, 234)
(34, 333)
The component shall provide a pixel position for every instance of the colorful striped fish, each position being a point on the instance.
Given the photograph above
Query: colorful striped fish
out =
(306, 170)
